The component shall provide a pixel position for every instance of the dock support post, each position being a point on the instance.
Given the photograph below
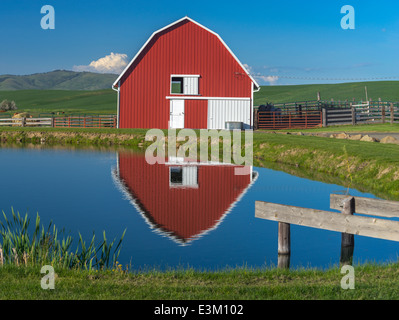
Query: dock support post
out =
(348, 240)
(284, 245)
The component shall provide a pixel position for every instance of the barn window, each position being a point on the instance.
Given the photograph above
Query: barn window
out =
(177, 85)
(186, 176)
(184, 84)
(176, 176)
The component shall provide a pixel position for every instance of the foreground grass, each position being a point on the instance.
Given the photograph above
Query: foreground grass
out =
(371, 282)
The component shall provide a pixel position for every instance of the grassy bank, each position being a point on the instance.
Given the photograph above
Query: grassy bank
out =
(367, 166)
(371, 282)
(378, 128)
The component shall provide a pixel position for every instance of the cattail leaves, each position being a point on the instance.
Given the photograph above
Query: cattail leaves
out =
(49, 246)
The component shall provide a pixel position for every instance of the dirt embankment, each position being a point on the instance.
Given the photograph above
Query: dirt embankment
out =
(61, 137)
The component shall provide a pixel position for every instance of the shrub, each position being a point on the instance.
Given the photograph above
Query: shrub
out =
(6, 105)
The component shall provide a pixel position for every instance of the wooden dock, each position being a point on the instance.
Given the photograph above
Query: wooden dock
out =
(345, 221)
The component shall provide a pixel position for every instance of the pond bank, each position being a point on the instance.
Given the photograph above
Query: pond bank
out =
(371, 282)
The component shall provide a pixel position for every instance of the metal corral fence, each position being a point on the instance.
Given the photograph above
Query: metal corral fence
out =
(289, 119)
(104, 121)
(307, 114)
(77, 121)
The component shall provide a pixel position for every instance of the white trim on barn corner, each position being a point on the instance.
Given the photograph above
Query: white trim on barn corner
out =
(117, 102)
(186, 97)
(170, 25)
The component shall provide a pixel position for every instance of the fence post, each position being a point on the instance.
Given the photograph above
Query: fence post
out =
(392, 113)
(23, 122)
(306, 119)
(348, 240)
(324, 117)
(353, 110)
(383, 113)
(284, 245)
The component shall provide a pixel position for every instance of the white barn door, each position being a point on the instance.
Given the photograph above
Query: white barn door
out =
(176, 114)
(222, 111)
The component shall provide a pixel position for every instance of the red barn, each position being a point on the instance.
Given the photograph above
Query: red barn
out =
(181, 200)
(185, 76)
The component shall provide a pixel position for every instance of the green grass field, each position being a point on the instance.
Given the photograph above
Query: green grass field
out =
(386, 90)
(47, 101)
(104, 101)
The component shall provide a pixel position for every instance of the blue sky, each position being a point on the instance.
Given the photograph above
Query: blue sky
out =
(296, 42)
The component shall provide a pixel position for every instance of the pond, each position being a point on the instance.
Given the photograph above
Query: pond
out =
(175, 215)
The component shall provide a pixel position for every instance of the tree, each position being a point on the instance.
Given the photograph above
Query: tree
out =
(6, 105)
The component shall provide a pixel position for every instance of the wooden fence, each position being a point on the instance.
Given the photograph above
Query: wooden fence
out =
(102, 121)
(345, 222)
(361, 113)
(333, 113)
(26, 122)
(85, 122)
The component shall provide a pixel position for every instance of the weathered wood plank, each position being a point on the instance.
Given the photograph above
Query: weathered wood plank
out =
(333, 221)
(374, 207)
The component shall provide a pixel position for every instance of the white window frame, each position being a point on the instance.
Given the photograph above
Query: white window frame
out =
(183, 86)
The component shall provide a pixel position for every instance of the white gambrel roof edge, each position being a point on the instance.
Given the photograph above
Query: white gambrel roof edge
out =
(115, 84)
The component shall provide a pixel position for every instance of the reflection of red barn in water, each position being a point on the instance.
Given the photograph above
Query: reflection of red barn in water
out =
(179, 200)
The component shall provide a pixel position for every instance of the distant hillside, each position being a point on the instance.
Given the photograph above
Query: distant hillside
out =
(57, 80)
(386, 90)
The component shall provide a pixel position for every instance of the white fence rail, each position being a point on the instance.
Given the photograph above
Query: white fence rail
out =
(27, 122)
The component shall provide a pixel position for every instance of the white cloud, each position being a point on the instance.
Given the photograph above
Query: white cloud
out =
(271, 80)
(112, 63)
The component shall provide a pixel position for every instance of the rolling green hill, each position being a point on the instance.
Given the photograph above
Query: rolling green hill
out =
(44, 101)
(104, 101)
(57, 80)
(386, 90)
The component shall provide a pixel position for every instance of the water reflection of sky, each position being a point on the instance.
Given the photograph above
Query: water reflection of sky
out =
(76, 190)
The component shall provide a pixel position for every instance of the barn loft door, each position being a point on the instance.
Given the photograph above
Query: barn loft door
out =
(176, 114)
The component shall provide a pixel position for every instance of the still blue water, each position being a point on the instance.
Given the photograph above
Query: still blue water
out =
(76, 190)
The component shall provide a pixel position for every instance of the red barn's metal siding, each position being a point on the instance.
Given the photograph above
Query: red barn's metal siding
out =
(183, 48)
(182, 213)
(196, 114)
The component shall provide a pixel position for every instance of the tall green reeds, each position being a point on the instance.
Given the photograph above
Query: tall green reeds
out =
(44, 246)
